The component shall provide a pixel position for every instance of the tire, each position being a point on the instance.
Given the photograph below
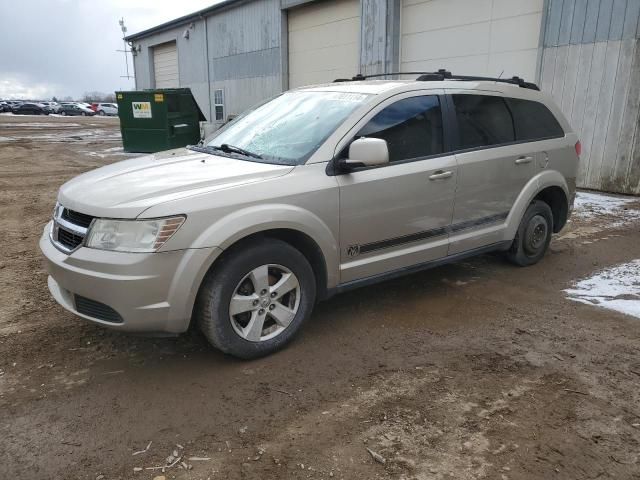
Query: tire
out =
(232, 275)
(84, 114)
(533, 235)
(63, 113)
(101, 113)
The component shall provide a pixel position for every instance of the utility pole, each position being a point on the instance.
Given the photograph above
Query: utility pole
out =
(126, 51)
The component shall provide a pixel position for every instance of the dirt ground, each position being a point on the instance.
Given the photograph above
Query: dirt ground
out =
(473, 370)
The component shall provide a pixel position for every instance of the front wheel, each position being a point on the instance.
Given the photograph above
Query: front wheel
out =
(256, 299)
(533, 235)
(84, 114)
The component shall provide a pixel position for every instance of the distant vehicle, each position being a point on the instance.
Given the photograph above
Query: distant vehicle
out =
(75, 109)
(30, 109)
(106, 109)
(54, 107)
(5, 107)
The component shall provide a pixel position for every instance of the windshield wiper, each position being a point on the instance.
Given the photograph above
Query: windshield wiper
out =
(211, 149)
(225, 147)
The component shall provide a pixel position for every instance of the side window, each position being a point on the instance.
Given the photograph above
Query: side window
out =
(533, 120)
(483, 120)
(412, 128)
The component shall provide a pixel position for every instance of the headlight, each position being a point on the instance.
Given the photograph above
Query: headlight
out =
(132, 235)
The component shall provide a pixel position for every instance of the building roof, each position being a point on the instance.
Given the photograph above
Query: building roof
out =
(182, 20)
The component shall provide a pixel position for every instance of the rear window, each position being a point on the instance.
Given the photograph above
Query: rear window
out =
(533, 120)
(483, 120)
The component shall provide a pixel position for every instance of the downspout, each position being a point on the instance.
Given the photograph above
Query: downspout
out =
(206, 53)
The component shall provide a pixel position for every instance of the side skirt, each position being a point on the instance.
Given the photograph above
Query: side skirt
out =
(362, 282)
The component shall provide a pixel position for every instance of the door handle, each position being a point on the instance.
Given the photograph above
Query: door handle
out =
(440, 174)
(523, 159)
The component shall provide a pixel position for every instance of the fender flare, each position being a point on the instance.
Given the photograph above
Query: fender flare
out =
(544, 179)
(228, 230)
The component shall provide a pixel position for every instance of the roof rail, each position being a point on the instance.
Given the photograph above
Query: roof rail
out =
(443, 74)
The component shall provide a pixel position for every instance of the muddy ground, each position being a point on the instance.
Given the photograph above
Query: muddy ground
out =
(473, 370)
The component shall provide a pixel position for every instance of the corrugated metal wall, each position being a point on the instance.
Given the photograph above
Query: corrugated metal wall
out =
(591, 66)
(245, 53)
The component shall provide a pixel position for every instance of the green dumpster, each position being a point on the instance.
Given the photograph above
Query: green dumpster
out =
(159, 119)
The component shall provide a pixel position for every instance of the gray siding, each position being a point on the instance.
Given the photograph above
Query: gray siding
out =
(191, 61)
(591, 67)
(570, 22)
(245, 53)
(373, 36)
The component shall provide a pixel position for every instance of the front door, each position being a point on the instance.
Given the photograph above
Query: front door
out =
(397, 215)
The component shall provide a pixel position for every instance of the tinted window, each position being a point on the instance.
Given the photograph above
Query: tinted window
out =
(412, 128)
(483, 120)
(533, 120)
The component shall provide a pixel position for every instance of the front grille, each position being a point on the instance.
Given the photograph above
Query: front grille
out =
(97, 310)
(69, 239)
(69, 228)
(77, 218)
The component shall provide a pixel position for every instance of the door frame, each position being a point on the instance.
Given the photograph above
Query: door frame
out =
(449, 141)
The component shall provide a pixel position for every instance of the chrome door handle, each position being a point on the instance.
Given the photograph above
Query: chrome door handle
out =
(440, 174)
(522, 160)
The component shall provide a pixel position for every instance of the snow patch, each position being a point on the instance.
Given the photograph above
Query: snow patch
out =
(594, 206)
(616, 288)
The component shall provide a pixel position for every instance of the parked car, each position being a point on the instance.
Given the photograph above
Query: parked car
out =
(317, 191)
(5, 107)
(75, 109)
(54, 107)
(29, 108)
(106, 109)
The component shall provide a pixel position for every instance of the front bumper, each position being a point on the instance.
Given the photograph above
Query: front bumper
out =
(151, 292)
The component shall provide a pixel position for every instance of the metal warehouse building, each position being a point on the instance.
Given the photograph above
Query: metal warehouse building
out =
(583, 52)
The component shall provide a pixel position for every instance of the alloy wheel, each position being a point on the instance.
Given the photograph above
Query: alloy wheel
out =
(264, 303)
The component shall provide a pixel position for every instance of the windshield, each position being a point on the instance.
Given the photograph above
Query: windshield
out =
(289, 128)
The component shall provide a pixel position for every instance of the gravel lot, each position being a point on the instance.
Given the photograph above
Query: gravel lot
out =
(473, 370)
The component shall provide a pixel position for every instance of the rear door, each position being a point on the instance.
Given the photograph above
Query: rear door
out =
(493, 168)
(397, 215)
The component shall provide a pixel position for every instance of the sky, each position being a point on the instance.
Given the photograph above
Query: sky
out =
(68, 47)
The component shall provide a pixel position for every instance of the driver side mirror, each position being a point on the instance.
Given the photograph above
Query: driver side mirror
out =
(367, 152)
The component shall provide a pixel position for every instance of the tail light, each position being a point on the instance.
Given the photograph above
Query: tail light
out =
(578, 148)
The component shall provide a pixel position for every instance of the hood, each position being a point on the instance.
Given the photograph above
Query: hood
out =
(126, 189)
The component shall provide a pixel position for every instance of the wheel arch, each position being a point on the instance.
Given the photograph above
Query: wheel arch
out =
(549, 186)
(557, 200)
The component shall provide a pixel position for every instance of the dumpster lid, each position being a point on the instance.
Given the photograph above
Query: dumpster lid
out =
(179, 91)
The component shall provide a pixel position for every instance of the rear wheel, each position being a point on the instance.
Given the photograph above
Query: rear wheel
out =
(63, 113)
(255, 301)
(533, 235)
(101, 113)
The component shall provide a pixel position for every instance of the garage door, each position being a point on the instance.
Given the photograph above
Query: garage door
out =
(165, 65)
(481, 37)
(323, 41)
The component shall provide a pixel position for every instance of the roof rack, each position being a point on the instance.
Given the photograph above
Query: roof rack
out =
(443, 74)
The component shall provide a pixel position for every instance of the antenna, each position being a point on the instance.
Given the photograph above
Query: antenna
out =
(126, 50)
